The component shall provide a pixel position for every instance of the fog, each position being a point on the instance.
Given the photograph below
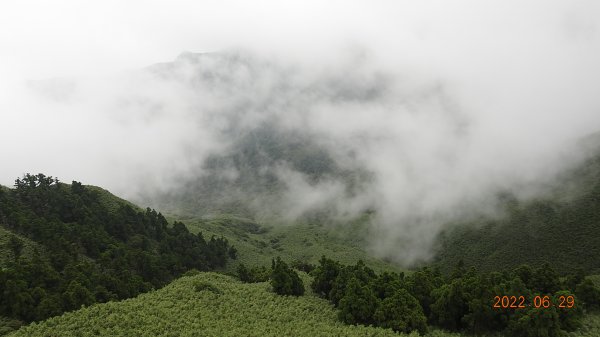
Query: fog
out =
(440, 104)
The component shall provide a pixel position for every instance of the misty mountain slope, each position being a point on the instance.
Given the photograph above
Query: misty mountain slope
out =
(562, 228)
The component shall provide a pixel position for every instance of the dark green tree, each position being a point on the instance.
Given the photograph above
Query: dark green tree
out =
(450, 305)
(421, 284)
(387, 284)
(401, 312)
(244, 273)
(358, 303)
(324, 275)
(285, 281)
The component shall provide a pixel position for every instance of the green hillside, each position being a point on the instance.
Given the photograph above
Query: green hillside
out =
(562, 228)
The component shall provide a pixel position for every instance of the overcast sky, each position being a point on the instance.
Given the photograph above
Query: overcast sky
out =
(498, 91)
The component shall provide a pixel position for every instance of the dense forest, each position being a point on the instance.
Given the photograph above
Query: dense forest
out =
(82, 251)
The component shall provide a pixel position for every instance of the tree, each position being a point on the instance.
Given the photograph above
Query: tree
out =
(324, 275)
(360, 271)
(285, 281)
(420, 284)
(358, 304)
(243, 273)
(401, 312)
(449, 305)
(387, 284)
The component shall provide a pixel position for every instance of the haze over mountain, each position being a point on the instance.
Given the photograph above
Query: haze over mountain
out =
(416, 114)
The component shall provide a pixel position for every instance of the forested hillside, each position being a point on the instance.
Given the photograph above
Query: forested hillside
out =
(562, 228)
(68, 245)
